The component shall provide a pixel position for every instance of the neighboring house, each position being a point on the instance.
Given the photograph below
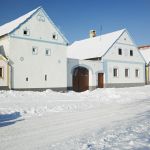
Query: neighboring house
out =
(32, 53)
(145, 51)
(109, 60)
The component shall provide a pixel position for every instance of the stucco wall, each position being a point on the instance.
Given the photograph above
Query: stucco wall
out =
(4, 79)
(113, 60)
(40, 30)
(4, 45)
(94, 68)
(34, 67)
(25, 65)
(121, 72)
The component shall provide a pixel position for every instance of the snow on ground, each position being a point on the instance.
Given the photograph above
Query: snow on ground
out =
(92, 120)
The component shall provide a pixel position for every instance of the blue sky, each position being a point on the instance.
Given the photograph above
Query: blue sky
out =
(76, 17)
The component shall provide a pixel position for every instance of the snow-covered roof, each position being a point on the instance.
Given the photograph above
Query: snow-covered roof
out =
(146, 53)
(11, 26)
(93, 47)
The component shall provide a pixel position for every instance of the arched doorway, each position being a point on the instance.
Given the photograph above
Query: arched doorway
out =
(80, 79)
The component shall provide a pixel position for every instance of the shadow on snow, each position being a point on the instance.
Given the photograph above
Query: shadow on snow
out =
(9, 119)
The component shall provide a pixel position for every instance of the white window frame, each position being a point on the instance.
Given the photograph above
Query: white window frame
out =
(128, 72)
(132, 52)
(28, 32)
(49, 52)
(56, 36)
(137, 75)
(117, 72)
(118, 51)
(45, 77)
(36, 50)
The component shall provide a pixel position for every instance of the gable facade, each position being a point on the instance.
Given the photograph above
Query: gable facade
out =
(128, 60)
(37, 54)
(145, 52)
(123, 69)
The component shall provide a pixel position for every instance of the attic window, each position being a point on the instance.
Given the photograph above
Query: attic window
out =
(26, 32)
(120, 51)
(131, 52)
(54, 36)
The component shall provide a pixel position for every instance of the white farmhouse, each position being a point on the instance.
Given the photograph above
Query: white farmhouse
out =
(32, 53)
(145, 51)
(109, 60)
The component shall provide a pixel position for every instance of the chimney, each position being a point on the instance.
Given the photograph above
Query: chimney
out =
(92, 33)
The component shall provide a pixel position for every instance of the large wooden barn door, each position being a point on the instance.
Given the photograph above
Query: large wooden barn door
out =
(100, 80)
(80, 79)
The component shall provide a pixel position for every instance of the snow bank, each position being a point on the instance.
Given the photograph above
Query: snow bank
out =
(30, 103)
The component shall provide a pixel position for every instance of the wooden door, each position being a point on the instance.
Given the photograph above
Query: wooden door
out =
(80, 79)
(100, 80)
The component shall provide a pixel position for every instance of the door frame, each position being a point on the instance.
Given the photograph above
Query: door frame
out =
(80, 82)
(100, 80)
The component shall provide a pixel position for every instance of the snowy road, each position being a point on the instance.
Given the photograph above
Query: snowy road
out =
(71, 129)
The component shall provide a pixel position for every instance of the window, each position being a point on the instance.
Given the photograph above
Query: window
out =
(54, 36)
(120, 51)
(45, 77)
(34, 50)
(1, 72)
(27, 79)
(115, 72)
(26, 32)
(137, 73)
(126, 72)
(131, 52)
(47, 52)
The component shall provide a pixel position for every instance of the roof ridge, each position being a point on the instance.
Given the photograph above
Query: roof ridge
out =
(12, 25)
(100, 36)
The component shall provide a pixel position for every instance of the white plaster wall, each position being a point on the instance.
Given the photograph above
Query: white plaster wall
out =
(3, 81)
(121, 78)
(36, 66)
(94, 68)
(39, 30)
(113, 59)
(4, 42)
(126, 44)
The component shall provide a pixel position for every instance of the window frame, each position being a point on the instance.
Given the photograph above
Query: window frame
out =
(56, 36)
(117, 75)
(27, 79)
(49, 50)
(28, 32)
(128, 73)
(119, 51)
(36, 52)
(137, 75)
(131, 52)
(2, 75)
(45, 77)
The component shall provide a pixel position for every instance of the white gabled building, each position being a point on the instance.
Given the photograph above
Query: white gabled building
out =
(32, 53)
(145, 51)
(109, 60)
